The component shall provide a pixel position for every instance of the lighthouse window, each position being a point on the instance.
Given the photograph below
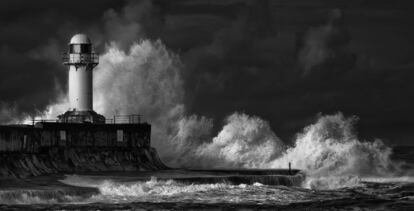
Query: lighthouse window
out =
(24, 141)
(80, 48)
(120, 135)
(62, 135)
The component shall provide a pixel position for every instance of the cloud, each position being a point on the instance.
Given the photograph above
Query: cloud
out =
(326, 45)
(9, 114)
(135, 21)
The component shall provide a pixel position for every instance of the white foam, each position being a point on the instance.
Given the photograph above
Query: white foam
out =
(332, 182)
(138, 188)
(154, 190)
(258, 184)
(402, 179)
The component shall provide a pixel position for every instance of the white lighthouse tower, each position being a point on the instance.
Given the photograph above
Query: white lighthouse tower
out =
(81, 60)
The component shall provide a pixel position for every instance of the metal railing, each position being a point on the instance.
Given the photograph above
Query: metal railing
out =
(34, 121)
(125, 119)
(80, 58)
(118, 119)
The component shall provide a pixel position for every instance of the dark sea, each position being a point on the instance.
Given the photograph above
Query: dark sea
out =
(213, 190)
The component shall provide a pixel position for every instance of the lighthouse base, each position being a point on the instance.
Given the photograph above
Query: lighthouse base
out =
(81, 117)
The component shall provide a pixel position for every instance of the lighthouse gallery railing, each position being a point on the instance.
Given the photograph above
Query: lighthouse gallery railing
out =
(118, 119)
(80, 58)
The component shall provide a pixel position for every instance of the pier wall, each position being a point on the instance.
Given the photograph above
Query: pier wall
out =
(27, 150)
(27, 138)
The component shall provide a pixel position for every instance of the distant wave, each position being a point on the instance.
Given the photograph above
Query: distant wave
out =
(401, 179)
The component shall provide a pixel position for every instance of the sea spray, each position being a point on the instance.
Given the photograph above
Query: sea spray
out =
(244, 142)
(145, 80)
(330, 152)
(190, 133)
(330, 147)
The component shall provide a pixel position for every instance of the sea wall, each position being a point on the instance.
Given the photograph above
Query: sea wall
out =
(44, 148)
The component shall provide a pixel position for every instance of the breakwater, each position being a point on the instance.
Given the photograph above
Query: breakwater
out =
(45, 148)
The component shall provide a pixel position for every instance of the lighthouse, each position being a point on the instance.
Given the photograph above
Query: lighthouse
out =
(81, 60)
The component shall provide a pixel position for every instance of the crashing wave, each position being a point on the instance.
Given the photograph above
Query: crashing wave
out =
(330, 147)
(333, 156)
(329, 151)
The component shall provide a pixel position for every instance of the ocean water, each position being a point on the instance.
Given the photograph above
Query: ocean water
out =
(213, 190)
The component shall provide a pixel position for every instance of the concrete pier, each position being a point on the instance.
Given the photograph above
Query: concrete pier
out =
(43, 148)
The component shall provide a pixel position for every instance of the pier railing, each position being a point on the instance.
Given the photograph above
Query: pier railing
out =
(34, 121)
(117, 119)
(125, 119)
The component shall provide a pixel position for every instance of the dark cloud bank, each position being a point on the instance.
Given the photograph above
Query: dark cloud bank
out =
(285, 61)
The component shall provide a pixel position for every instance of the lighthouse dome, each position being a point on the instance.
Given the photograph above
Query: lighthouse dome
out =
(80, 39)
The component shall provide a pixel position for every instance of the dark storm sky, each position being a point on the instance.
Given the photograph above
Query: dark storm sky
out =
(285, 61)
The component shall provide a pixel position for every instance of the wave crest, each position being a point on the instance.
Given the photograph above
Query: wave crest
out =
(244, 142)
(330, 147)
